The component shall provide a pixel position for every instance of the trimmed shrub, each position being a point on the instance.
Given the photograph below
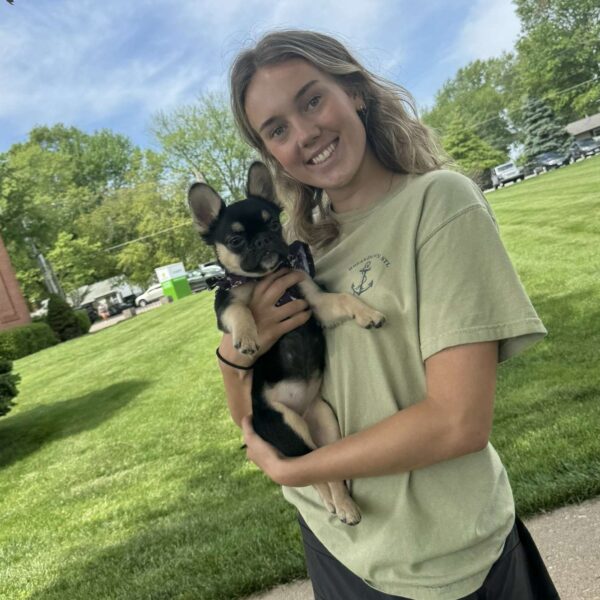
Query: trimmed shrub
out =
(21, 341)
(8, 386)
(84, 320)
(61, 318)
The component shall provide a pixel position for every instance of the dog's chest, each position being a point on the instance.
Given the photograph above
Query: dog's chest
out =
(296, 395)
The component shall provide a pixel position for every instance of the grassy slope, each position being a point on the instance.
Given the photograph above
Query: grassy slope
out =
(121, 471)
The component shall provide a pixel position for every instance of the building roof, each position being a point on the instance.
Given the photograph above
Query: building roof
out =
(583, 125)
(95, 291)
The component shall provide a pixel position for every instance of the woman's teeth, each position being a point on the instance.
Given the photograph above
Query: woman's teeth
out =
(323, 156)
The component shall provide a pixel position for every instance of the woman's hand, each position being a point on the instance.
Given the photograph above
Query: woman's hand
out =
(271, 321)
(274, 321)
(278, 468)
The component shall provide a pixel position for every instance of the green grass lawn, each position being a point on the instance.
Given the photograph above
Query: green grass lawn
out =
(121, 474)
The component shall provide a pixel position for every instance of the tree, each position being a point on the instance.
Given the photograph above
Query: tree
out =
(541, 131)
(559, 56)
(470, 152)
(477, 95)
(76, 261)
(201, 141)
(62, 319)
(8, 385)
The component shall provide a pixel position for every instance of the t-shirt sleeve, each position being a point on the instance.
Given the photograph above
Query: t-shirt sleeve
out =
(468, 289)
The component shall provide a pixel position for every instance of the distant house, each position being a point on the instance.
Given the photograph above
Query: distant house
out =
(113, 290)
(585, 128)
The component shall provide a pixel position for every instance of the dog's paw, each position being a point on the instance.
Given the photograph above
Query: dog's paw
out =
(246, 344)
(369, 318)
(348, 512)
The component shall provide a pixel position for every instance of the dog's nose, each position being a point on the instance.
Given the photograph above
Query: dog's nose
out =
(262, 241)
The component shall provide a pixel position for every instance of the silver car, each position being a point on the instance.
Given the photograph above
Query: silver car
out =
(153, 293)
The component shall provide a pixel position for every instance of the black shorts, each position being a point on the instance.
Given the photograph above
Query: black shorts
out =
(519, 573)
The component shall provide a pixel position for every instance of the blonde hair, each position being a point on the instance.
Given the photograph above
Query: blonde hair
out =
(398, 139)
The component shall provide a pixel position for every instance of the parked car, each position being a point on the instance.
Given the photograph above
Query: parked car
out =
(505, 173)
(585, 147)
(153, 293)
(552, 160)
(204, 276)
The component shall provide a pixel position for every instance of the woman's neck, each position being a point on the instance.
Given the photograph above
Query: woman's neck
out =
(371, 182)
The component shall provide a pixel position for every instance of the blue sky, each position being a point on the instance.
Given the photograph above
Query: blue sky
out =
(114, 63)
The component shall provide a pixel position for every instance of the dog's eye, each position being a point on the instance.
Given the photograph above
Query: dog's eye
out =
(235, 241)
(274, 225)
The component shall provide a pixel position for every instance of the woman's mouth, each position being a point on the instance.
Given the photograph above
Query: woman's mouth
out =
(325, 154)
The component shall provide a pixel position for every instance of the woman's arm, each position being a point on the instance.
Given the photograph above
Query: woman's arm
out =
(454, 419)
(272, 322)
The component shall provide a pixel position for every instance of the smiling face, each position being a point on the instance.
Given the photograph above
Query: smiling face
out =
(309, 124)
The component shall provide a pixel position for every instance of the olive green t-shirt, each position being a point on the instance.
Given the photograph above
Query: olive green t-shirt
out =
(429, 256)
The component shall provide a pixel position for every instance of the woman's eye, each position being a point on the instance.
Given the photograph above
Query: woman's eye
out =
(278, 131)
(314, 101)
(235, 242)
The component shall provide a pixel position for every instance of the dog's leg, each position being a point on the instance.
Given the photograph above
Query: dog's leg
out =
(325, 430)
(298, 424)
(331, 309)
(237, 319)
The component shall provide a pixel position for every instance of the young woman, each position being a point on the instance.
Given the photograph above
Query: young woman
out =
(414, 399)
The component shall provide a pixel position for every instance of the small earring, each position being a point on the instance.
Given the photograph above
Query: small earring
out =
(362, 112)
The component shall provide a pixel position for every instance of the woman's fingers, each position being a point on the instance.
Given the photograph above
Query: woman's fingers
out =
(276, 287)
(293, 322)
(289, 309)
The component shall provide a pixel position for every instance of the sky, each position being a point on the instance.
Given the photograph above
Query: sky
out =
(115, 63)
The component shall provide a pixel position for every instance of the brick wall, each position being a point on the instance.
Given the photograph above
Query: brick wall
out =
(13, 310)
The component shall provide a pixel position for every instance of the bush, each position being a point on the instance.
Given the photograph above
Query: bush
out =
(22, 341)
(8, 386)
(84, 320)
(61, 318)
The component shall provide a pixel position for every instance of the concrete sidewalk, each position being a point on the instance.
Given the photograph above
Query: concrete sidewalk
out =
(568, 539)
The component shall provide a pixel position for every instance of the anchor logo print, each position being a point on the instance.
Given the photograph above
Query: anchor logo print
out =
(362, 287)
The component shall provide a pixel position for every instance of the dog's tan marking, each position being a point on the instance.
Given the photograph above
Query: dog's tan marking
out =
(265, 215)
(237, 319)
(237, 227)
(297, 395)
(332, 309)
(296, 422)
(324, 429)
(229, 260)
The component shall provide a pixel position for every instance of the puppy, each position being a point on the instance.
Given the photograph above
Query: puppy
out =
(287, 409)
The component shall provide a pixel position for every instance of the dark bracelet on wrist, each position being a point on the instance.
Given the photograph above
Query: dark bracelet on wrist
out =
(224, 360)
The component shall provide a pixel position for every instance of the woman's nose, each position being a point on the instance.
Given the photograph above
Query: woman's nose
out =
(307, 133)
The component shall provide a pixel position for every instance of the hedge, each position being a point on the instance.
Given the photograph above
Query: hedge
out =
(84, 319)
(21, 341)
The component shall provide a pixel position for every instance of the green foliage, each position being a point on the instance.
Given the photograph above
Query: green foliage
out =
(541, 131)
(558, 55)
(472, 154)
(477, 95)
(21, 341)
(84, 320)
(61, 318)
(201, 141)
(8, 386)
(76, 261)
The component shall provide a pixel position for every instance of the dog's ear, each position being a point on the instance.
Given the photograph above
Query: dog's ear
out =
(205, 205)
(260, 183)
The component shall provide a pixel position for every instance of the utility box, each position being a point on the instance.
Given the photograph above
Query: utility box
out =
(173, 281)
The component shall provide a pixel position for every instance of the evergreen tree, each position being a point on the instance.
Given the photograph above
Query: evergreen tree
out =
(8, 385)
(542, 132)
(62, 319)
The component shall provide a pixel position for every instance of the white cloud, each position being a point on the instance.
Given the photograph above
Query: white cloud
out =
(491, 27)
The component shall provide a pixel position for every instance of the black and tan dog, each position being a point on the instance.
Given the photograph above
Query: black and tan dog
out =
(287, 409)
